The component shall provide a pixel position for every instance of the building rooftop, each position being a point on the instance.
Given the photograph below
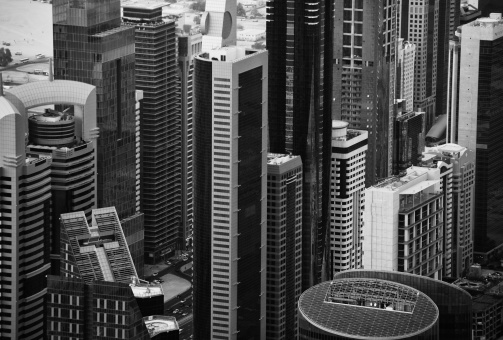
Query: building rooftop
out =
(146, 289)
(229, 54)
(394, 182)
(368, 309)
(100, 250)
(157, 324)
(278, 158)
(111, 31)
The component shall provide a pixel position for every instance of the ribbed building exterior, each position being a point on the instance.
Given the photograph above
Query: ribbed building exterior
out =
(462, 162)
(367, 308)
(92, 47)
(230, 194)
(347, 196)
(481, 122)
(73, 169)
(25, 200)
(91, 298)
(284, 245)
(420, 26)
(33, 186)
(365, 39)
(189, 44)
(405, 223)
(155, 75)
(299, 41)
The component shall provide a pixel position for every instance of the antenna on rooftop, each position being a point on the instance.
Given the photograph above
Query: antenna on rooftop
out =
(1, 85)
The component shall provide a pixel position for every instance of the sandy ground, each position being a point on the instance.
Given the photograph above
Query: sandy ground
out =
(27, 26)
(173, 286)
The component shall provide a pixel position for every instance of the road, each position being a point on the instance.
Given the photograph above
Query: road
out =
(184, 321)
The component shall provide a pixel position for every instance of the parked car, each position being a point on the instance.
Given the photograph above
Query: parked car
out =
(184, 314)
(176, 311)
(155, 274)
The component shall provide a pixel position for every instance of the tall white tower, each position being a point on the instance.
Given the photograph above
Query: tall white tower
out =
(218, 24)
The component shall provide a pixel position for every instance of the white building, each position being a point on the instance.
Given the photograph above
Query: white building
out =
(347, 185)
(404, 223)
(218, 24)
(405, 73)
(230, 167)
(251, 35)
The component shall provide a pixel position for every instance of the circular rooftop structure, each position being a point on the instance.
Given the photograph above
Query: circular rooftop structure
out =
(339, 124)
(51, 128)
(356, 308)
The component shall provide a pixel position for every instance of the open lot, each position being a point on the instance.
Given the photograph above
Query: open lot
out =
(27, 26)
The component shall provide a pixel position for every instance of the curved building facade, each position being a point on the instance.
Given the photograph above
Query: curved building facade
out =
(366, 309)
(453, 303)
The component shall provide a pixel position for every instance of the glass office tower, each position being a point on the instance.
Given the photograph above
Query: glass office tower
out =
(155, 68)
(365, 34)
(299, 40)
(230, 174)
(92, 47)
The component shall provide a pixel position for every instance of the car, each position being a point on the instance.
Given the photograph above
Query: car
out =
(183, 301)
(168, 263)
(176, 311)
(19, 53)
(160, 280)
(184, 314)
(155, 274)
(185, 258)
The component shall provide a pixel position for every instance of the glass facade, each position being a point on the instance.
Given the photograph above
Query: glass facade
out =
(364, 76)
(90, 46)
(155, 69)
(454, 304)
(489, 161)
(202, 197)
(249, 203)
(299, 40)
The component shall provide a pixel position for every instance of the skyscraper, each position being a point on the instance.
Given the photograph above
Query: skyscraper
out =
(92, 47)
(284, 245)
(218, 24)
(189, 44)
(34, 185)
(347, 198)
(420, 26)
(365, 37)
(481, 122)
(230, 194)
(299, 40)
(155, 69)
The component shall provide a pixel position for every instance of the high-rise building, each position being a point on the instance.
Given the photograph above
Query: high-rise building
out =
(481, 122)
(347, 199)
(155, 71)
(230, 143)
(365, 38)
(448, 22)
(92, 47)
(408, 138)
(463, 195)
(406, 53)
(284, 245)
(404, 223)
(92, 297)
(189, 44)
(299, 41)
(420, 26)
(26, 262)
(33, 185)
